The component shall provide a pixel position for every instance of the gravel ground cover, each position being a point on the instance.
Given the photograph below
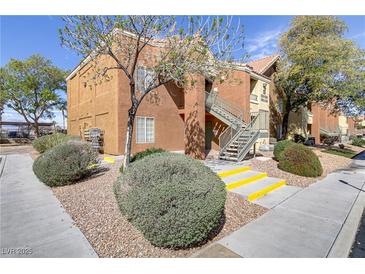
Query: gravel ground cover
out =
(329, 163)
(92, 205)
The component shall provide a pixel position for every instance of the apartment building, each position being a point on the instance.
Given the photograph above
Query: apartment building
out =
(230, 117)
(310, 121)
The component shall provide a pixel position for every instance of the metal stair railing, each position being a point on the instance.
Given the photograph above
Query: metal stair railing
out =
(214, 103)
(231, 135)
(253, 130)
(329, 132)
(227, 136)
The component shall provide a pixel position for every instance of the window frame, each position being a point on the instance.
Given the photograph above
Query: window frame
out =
(145, 130)
(264, 89)
(142, 85)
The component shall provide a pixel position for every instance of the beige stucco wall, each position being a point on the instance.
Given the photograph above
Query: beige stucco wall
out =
(342, 123)
(257, 87)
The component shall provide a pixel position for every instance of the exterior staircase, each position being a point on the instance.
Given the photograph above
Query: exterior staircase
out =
(254, 186)
(250, 184)
(238, 138)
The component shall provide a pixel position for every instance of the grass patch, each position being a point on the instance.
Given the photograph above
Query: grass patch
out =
(348, 153)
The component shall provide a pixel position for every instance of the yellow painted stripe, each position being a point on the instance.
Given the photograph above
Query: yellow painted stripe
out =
(263, 192)
(246, 181)
(109, 159)
(227, 173)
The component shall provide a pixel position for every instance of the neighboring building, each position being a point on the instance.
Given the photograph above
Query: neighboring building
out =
(311, 121)
(207, 116)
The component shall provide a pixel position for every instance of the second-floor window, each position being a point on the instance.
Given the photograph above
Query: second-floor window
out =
(264, 96)
(144, 78)
(264, 87)
(253, 97)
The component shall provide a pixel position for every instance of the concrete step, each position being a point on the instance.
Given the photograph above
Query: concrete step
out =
(243, 178)
(259, 188)
(274, 198)
(233, 171)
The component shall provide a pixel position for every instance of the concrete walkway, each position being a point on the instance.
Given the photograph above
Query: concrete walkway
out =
(33, 222)
(311, 223)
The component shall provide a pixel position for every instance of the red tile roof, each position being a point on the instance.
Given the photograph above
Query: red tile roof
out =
(261, 65)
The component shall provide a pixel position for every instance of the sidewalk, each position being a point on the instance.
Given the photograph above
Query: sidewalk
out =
(33, 222)
(307, 224)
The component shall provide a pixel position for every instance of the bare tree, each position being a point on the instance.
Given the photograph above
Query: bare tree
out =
(183, 47)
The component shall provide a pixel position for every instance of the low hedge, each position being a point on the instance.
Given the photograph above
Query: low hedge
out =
(300, 160)
(65, 164)
(175, 201)
(280, 146)
(41, 144)
(358, 142)
(147, 152)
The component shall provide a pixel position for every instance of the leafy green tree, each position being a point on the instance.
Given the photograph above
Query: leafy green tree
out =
(319, 65)
(30, 88)
(187, 46)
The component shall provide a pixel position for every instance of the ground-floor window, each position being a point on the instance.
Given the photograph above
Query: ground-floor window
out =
(145, 131)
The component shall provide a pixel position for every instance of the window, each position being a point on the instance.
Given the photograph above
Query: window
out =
(144, 78)
(145, 132)
(253, 97)
(264, 89)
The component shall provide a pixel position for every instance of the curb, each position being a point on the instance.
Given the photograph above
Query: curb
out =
(342, 245)
(2, 164)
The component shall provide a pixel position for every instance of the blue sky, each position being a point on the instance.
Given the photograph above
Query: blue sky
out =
(22, 36)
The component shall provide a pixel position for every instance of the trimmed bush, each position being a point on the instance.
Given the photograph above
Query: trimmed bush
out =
(65, 163)
(300, 160)
(330, 140)
(175, 201)
(46, 142)
(280, 146)
(144, 153)
(359, 142)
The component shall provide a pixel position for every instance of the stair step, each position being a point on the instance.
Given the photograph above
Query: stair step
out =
(233, 171)
(259, 188)
(227, 153)
(228, 158)
(243, 178)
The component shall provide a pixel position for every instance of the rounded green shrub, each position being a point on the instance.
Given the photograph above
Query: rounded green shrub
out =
(146, 152)
(175, 201)
(300, 160)
(280, 146)
(65, 164)
(41, 144)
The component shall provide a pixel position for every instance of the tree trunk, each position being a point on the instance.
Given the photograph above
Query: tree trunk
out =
(129, 134)
(36, 128)
(285, 122)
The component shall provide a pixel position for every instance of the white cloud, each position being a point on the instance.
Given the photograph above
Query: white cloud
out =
(264, 43)
(358, 35)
